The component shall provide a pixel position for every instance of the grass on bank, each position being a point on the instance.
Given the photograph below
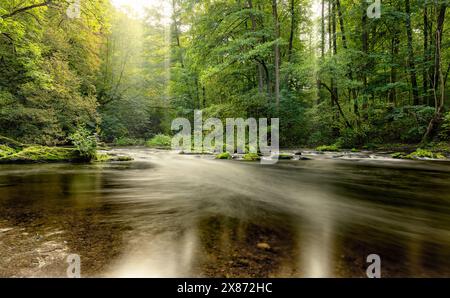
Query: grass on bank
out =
(160, 141)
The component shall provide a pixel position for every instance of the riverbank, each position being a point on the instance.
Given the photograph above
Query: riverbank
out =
(13, 152)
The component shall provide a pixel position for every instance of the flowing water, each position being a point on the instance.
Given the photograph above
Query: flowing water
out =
(170, 215)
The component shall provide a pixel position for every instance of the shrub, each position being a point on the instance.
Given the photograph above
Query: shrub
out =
(85, 143)
(10, 143)
(445, 128)
(225, 155)
(129, 142)
(331, 148)
(160, 141)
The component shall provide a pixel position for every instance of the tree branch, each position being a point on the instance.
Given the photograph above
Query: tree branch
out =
(26, 8)
(334, 99)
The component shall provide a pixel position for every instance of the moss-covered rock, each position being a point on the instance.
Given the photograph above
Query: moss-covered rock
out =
(423, 153)
(399, 155)
(225, 155)
(251, 157)
(43, 154)
(6, 151)
(102, 157)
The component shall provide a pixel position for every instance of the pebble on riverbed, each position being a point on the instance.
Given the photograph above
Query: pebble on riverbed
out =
(263, 246)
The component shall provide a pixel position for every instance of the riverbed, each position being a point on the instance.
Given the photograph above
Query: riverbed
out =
(171, 215)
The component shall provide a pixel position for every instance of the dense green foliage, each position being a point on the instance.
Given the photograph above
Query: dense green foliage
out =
(335, 77)
(160, 141)
(84, 142)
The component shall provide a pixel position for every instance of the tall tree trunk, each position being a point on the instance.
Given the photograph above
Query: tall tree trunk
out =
(341, 23)
(432, 51)
(352, 91)
(426, 57)
(330, 47)
(176, 31)
(334, 34)
(322, 32)
(277, 53)
(259, 66)
(365, 41)
(412, 65)
(322, 52)
(395, 42)
(330, 37)
(293, 29)
(439, 91)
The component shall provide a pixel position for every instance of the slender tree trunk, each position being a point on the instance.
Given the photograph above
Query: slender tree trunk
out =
(432, 51)
(394, 54)
(322, 52)
(330, 47)
(342, 25)
(425, 56)
(292, 32)
(176, 32)
(412, 65)
(259, 66)
(322, 45)
(334, 34)
(352, 91)
(277, 54)
(365, 40)
(439, 91)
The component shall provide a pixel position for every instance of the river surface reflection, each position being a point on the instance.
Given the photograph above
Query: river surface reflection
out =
(169, 215)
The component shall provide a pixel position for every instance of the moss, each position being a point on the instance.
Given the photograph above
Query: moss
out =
(160, 141)
(103, 157)
(399, 155)
(225, 155)
(354, 150)
(423, 153)
(43, 154)
(100, 157)
(251, 157)
(331, 148)
(6, 151)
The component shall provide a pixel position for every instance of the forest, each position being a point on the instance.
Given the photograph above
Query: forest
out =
(332, 74)
(336, 164)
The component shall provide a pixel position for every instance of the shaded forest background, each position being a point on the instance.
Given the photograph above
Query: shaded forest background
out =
(328, 71)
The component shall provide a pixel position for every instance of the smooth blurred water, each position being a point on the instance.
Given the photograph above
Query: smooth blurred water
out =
(169, 215)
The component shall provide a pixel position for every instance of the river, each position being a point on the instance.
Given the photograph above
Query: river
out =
(171, 215)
